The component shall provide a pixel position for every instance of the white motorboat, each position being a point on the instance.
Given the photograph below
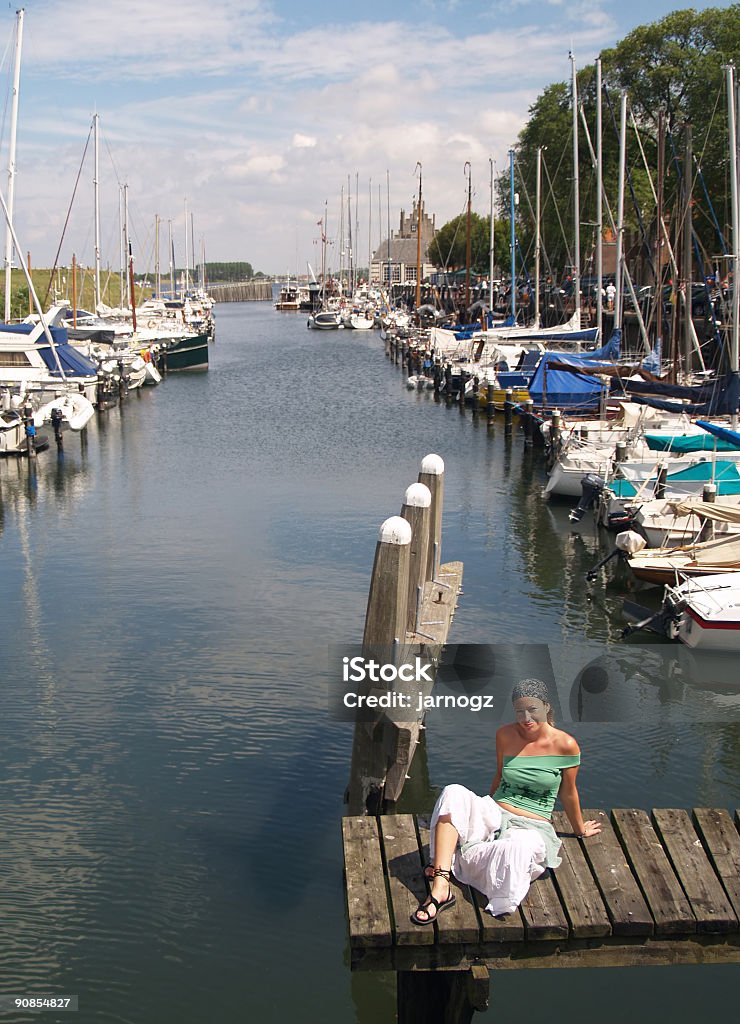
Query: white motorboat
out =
(704, 613)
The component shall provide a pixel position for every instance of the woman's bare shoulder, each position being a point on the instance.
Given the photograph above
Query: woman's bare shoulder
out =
(565, 744)
(505, 736)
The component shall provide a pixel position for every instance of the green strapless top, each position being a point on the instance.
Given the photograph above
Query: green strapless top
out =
(532, 783)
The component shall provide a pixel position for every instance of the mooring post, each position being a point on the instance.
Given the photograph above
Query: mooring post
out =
(529, 423)
(385, 620)
(56, 422)
(432, 474)
(621, 451)
(708, 494)
(509, 413)
(660, 482)
(416, 511)
(384, 638)
(490, 404)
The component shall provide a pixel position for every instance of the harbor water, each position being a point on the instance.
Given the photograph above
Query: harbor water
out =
(172, 781)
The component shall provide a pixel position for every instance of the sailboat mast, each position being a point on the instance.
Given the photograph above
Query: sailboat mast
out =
(187, 255)
(192, 245)
(11, 158)
(349, 229)
(418, 244)
(576, 196)
(171, 257)
(599, 203)
(619, 298)
(538, 238)
(96, 203)
(735, 291)
(467, 237)
(512, 234)
(490, 244)
(126, 243)
(157, 276)
(369, 227)
(687, 240)
(659, 238)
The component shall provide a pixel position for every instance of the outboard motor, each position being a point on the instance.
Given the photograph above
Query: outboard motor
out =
(592, 486)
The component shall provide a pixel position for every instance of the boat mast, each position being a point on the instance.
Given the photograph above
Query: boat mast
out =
(341, 240)
(369, 228)
(171, 247)
(96, 195)
(121, 256)
(490, 244)
(349, 230)
(467, 236)
(512, 234)
(126, 242)
(388, 201)
(418, 243)
(11, 159)
(688, 232)
(157, 276)
(599, 204)
(735, 292)
(659, 240)
(192, 245)
(619, 298)
(576, 197)
(538, 238)
(187, 255)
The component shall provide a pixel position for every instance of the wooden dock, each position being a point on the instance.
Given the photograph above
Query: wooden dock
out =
(650, 889)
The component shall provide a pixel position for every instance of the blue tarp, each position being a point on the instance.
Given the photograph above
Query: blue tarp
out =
(565, 389)
(74, 363)
(730, 437)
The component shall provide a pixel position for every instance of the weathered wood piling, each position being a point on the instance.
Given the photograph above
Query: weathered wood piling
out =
(243, 291)
(411, 603)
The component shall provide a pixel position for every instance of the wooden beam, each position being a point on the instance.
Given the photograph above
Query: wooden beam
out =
(722, 843)
(406, 886)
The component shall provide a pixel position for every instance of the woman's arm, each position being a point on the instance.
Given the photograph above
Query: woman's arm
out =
(568, 794)
(499, 761)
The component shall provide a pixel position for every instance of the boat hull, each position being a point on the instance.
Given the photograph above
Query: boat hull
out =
(189, 354)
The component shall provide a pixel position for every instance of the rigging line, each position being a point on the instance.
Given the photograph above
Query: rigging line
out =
(557, 211)
(66, 220)
(648, 256)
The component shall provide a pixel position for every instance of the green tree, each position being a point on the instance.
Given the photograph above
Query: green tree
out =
(676, 63)
(449, 248)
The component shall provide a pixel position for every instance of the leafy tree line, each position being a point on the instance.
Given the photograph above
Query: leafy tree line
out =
(675, 65)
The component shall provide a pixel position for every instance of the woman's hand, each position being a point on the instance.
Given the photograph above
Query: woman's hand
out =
(590, 828)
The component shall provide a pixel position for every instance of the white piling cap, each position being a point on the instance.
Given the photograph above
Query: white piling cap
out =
(418, 496)
(434, 465)
(395, 531)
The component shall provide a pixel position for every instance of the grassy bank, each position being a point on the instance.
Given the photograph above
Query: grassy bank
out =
(62, 289)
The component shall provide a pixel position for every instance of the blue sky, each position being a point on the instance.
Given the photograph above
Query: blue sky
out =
(252, 114)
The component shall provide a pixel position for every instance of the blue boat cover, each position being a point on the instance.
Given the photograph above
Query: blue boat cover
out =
(74, 363)
(729, 437)
(566, 389)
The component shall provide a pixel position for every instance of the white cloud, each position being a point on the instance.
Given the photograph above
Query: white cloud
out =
(301, 141)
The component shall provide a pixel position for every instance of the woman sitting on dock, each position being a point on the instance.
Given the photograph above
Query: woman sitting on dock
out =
(500, 843)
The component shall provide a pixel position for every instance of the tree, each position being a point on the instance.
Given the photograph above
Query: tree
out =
(448, 250)
(676, 62)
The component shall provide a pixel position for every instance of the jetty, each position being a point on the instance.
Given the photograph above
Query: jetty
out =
(242, 291)
(658, 888)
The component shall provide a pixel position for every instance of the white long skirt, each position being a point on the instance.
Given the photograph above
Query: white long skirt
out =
(503, 868)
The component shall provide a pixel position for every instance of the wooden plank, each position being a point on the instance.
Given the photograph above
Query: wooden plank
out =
(506, 928)
(460, 923)
(544, 917)
(579, 893)
(711, 907)
(367, 906)
(439, 601)
(406, 885)
(665, 897)
(722, 843)
(625, 905)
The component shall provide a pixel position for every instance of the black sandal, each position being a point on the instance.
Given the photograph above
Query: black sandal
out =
(440, 905)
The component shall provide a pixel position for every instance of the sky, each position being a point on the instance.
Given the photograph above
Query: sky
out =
(243, 119)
